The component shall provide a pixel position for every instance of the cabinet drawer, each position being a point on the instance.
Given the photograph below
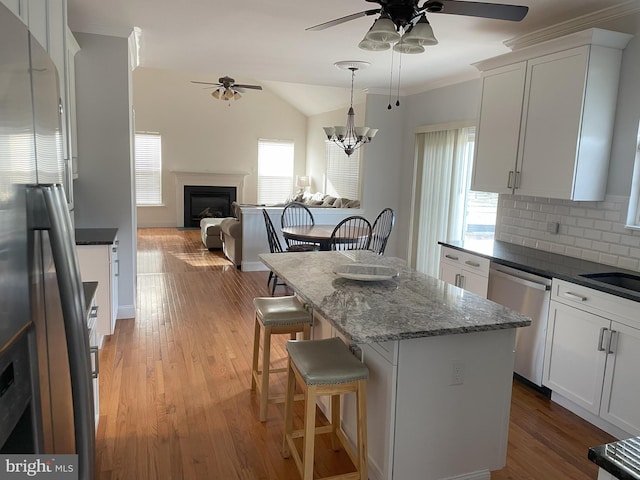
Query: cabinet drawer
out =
(468, 261)
(600, 303)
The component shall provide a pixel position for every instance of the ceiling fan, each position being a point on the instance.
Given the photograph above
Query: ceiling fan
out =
(227, 88)
(405, 22)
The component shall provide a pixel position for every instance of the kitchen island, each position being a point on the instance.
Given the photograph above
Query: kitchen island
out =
(440, 362)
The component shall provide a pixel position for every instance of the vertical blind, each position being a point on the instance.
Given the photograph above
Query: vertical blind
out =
(275, 171)
(148, 160)
(343, 173)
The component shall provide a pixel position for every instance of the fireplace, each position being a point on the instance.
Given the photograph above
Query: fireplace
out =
(201, 201)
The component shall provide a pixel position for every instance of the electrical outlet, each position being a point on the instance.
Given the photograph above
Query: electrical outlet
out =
(457, 373)
(553, 227)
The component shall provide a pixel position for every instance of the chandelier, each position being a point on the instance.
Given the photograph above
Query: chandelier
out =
(407, 38)
(349, 137)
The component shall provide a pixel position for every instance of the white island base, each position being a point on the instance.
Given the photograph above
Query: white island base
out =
(437, 407)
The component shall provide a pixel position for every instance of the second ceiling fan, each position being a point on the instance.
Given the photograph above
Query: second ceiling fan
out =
(227, 88)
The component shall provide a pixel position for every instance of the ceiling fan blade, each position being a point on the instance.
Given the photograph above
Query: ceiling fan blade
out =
(514, 13)
(254, 87)
(207, 83)
(340, 20)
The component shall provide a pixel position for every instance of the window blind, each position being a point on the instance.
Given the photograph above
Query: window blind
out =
(275, 171)
(148, 161)
(343, 173)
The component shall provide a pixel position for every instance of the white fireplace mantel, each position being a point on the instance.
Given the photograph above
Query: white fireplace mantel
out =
(205, 179)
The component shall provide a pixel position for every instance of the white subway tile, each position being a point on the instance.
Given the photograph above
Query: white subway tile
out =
(608, 259)
(629, 263)
(590, 255)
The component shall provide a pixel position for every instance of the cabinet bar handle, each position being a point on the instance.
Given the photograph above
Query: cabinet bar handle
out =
(452, 257)
(510, 179)
(574, 296)
(96, 366)
(461, 281)
(613, 342)
(518, 177)
(94, 311)
(473, 264)
(600, 338)
(457, 280)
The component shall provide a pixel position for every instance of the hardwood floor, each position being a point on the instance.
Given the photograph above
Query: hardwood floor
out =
(175, 401)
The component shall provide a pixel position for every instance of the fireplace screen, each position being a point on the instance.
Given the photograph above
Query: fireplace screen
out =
(205, 202)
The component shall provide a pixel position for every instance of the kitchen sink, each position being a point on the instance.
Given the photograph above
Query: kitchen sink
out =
(622, 280)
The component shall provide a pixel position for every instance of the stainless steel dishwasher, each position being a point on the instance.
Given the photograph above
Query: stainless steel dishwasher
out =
(530, 295)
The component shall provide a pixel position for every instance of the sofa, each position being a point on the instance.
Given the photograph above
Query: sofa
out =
(320, 199)
(231, 236)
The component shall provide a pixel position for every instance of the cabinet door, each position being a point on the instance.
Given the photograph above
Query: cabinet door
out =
(573, 365)
(498, 129)
(622, 380)
(18, 7)
(449, 272)
(474, 283)
(551, 124)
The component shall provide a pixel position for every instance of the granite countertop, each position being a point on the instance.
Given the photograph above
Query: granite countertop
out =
(621, 459)
(96, 236)
(411, 305)
(547, 264)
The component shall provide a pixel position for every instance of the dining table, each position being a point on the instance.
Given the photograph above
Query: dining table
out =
(321, 235)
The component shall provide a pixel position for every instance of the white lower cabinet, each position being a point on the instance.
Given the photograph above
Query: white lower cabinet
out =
(465, 270)
(94, 349)
(592, 353)
(99, 263)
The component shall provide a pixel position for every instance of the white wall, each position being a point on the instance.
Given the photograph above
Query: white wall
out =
(201, 134)
(103, 190)
(453, 103)
(626, 123)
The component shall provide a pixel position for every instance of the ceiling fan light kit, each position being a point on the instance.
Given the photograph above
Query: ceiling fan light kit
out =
(405, 21)
(349, 137)
(227, 89)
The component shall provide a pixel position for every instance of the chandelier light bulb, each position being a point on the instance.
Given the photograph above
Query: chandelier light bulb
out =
(349, 137)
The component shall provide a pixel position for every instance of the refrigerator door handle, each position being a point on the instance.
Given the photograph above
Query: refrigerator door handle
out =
(47, 210)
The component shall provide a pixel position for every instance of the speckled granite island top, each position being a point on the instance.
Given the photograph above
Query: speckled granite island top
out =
(411, 305)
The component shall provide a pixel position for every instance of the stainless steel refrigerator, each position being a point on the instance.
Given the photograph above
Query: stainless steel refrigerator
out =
(46, 397)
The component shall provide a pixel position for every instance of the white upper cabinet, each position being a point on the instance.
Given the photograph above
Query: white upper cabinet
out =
(546, 117)
(19, 9)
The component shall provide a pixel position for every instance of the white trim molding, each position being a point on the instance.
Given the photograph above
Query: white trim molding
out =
(574, 25)
(207, 179)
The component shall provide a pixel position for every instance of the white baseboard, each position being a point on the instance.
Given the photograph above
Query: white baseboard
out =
(126, 311)
(481, 475)
(253, 267)
(590, 417)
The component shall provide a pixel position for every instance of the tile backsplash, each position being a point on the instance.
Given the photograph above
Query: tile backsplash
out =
(593, 231)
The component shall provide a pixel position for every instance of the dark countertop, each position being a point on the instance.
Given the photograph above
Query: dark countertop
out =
(549, 265)
(621, 459)
(96, 236)
(89, 292)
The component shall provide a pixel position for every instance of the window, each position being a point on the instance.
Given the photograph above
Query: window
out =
(343, 173)
(148, 160)
(275, 171)
(443, 206)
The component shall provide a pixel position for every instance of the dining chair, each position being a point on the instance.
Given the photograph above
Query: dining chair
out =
(352, 233)
(381, 231)
(276, 247)
(296, 214)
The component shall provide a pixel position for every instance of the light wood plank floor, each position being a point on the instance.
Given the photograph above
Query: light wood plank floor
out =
(175, 401)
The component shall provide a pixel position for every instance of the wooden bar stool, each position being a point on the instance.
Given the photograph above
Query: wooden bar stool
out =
(274, 315)
(325, 367)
